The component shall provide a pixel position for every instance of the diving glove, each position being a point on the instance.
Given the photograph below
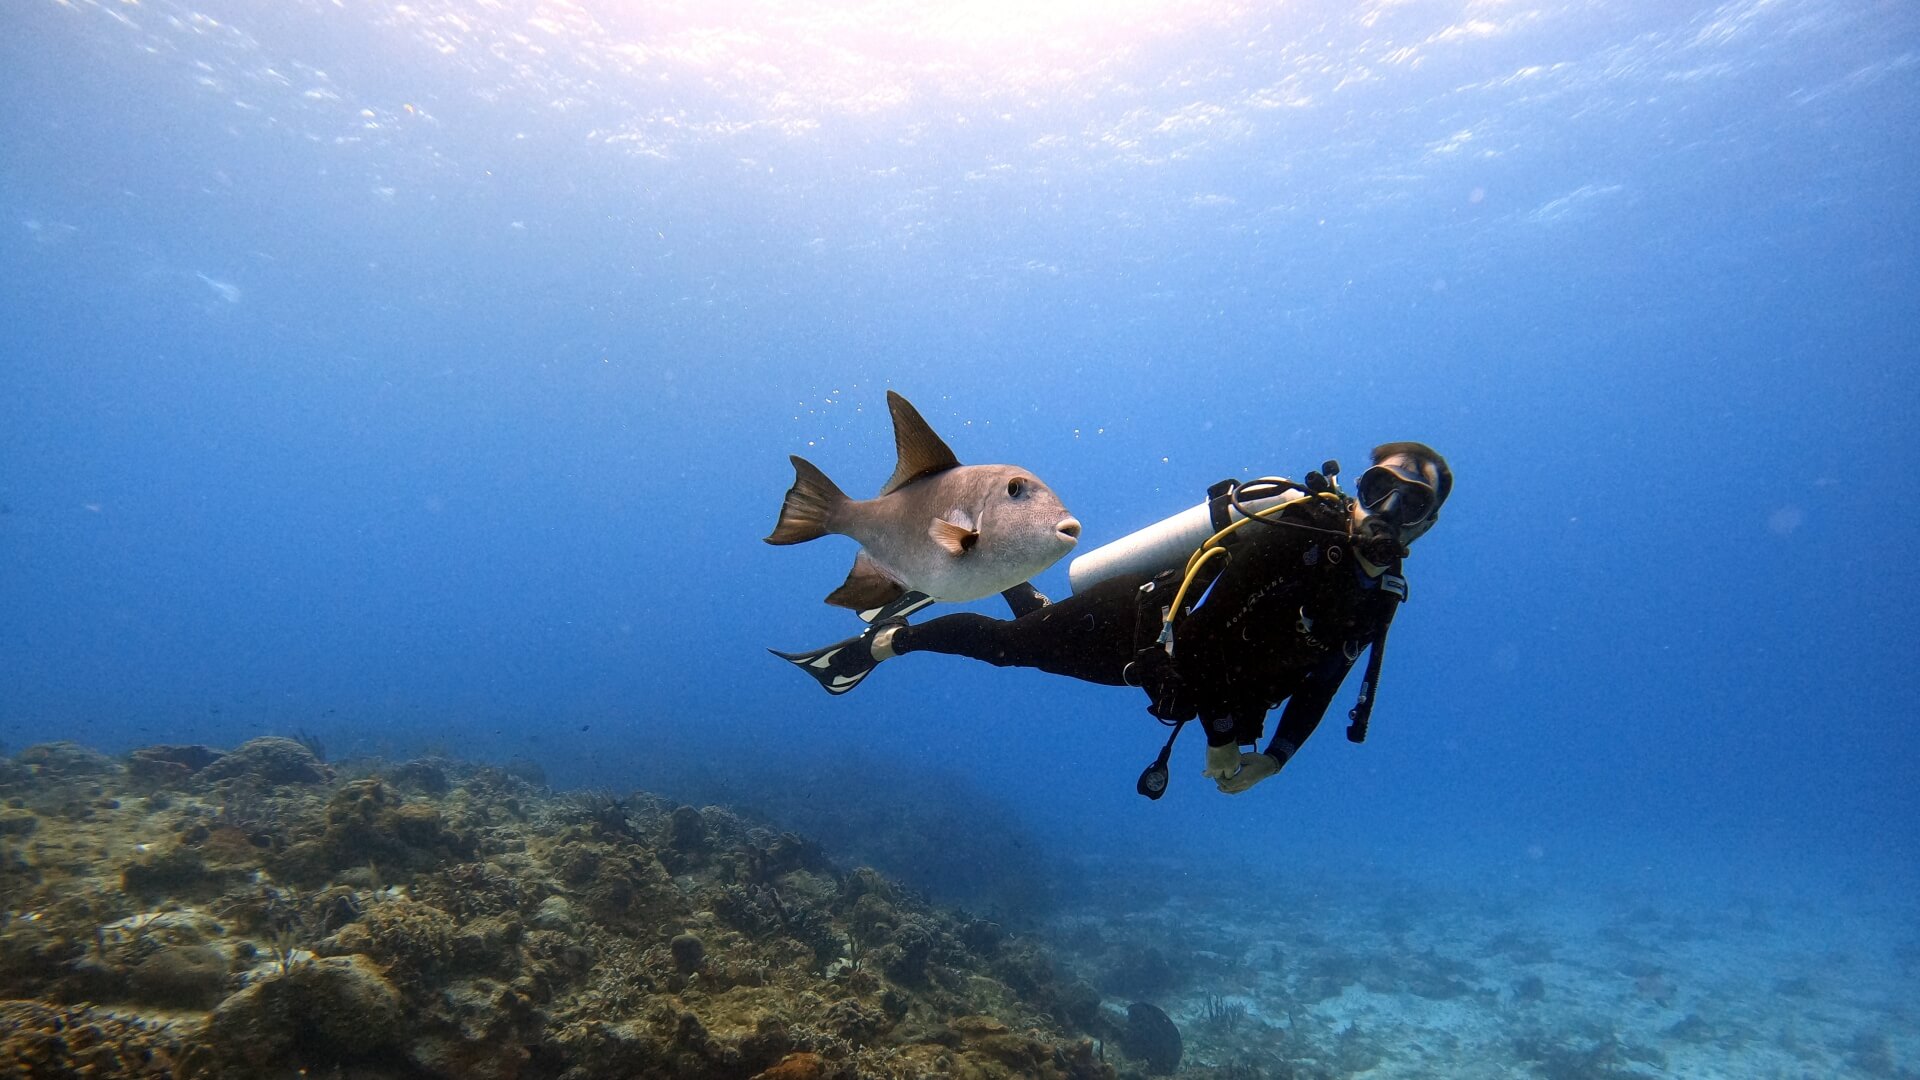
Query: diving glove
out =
(1253, 769)
(1222, 762)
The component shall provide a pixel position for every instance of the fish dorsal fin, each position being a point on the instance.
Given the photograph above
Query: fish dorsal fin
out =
(955, 539)
(922, 453)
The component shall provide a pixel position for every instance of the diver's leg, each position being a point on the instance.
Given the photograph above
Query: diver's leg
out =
(1088, 635)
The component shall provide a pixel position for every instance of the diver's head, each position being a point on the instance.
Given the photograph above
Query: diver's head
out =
(1398, 499)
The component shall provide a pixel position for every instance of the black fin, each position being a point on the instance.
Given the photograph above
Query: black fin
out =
(838, 667)
(1024, 599)
(905, 605)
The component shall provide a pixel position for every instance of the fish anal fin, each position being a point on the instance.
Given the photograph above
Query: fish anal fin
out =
(955, 540)
(867, 586)
(922, 453)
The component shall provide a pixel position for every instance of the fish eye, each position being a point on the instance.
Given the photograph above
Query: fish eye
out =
(1016, 487)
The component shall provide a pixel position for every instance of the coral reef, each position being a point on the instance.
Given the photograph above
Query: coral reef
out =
(899, 819)
(42, 1040)
(188, 912)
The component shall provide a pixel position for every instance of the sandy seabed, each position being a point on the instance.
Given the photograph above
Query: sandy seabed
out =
(1382, 975)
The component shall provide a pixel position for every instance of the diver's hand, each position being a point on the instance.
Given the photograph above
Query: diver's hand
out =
(1222, 762)
(1253, 768)
(1152, 670)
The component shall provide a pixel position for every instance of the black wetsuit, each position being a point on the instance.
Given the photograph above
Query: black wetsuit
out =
(1283, 620)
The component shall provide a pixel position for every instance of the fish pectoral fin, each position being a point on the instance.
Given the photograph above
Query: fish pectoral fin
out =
(867, 586)
(953, 539)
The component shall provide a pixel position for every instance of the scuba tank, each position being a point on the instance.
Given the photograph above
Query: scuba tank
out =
(1167, 543)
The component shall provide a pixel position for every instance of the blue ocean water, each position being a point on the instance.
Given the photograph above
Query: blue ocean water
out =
(421, 376)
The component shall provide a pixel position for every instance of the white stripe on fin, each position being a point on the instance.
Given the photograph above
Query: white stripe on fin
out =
(905, 605)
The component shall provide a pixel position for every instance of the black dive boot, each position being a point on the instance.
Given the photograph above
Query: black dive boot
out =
(839, 667)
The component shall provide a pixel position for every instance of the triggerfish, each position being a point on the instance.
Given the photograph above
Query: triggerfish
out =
(950, 531)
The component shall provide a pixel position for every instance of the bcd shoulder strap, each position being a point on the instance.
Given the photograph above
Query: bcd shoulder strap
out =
(1391, 584)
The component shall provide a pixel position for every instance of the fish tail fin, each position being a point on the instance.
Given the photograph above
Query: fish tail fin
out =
(809, 506)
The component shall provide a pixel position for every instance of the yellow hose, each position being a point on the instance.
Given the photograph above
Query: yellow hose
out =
(1205, 553)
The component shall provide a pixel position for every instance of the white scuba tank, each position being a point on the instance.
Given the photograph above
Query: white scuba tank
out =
(1168, 542)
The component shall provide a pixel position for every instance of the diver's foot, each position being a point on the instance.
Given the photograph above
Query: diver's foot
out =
(841, 666)
(1024, 599)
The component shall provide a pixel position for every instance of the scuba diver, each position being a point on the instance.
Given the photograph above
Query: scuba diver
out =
(1267, 593)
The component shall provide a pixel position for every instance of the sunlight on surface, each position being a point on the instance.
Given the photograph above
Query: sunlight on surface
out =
(1433, 89)
(801, 58)
(995, 26)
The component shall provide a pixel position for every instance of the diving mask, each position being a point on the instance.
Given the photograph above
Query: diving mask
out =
(1396, 498)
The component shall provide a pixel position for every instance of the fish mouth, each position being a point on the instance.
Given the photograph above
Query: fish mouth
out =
(1068, 530)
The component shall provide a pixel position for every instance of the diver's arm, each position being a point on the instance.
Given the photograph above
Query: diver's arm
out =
(1307, 705)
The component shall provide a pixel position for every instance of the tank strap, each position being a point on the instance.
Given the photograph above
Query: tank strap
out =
(1220, 501)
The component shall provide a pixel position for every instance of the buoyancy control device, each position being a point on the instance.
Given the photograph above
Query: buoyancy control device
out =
(1170, 542)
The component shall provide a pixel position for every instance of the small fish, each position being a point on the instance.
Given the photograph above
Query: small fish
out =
(953, 532)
